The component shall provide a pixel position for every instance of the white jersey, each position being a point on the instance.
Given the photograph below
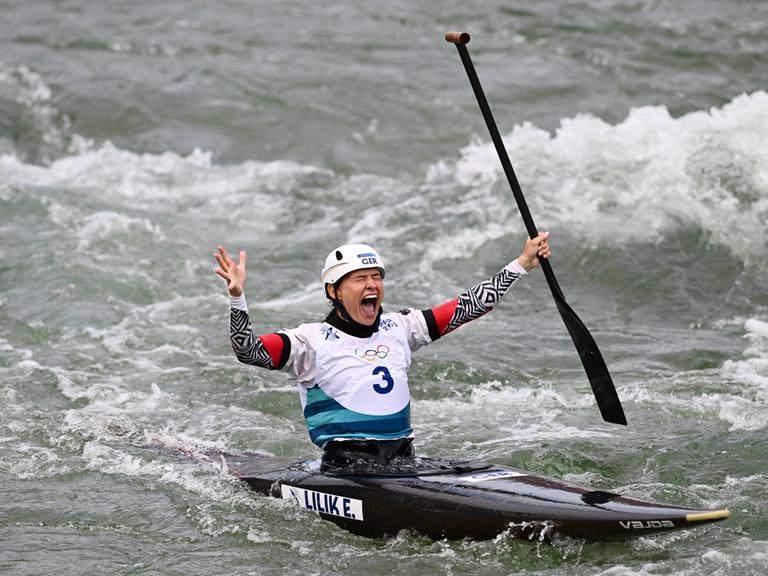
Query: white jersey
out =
(357, 386)
(354, 387)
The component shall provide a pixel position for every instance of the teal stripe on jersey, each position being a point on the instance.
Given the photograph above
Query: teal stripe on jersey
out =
(327, 419)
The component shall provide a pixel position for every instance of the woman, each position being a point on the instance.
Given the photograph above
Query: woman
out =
(352, 368)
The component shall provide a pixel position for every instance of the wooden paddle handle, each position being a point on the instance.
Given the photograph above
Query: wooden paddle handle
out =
(457, 37)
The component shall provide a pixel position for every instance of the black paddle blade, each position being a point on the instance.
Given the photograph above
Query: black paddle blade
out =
(594, 365)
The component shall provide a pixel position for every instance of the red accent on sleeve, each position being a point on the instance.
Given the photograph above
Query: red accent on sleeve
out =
(274, 345)
(444, 313)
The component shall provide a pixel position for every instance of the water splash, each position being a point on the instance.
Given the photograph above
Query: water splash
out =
(641, 178)
(30, 125)
(747, 410)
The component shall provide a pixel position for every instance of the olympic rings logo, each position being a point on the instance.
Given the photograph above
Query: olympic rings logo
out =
(370, 355)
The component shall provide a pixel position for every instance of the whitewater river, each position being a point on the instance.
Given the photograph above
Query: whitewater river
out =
(135, 136)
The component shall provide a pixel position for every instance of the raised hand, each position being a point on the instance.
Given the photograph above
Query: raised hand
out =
(233, 272)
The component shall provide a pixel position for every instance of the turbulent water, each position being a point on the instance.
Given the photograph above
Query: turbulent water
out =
(135, 136)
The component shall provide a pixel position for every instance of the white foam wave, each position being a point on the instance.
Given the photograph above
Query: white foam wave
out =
(748, 410)
(209, 484)
(163, 182)
(646, 175)
(523, 416)
(632, 181)
(300, 297)
(25, 86)
(459, 244)
(108, 460)
(742, 396)
(14, 352)
(100, 226)
(745, 557)
(134, 335)
(34, 462)
(112, 412)
(120, 408)
(27, 89)
(187, 443)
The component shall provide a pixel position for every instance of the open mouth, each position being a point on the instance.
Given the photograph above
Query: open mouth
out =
(368, 305)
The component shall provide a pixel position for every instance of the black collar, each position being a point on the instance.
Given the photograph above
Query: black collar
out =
(351, 327)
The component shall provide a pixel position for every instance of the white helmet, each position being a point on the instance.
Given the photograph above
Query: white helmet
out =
(348, 258)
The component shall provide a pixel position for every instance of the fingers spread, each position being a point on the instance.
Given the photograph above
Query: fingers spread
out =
(225, 255)
(221, 261)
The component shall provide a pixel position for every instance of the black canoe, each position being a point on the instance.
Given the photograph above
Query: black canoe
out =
(453, 500)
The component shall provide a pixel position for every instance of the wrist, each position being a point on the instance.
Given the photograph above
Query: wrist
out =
(238, 302)
(526, 262)
(516, 268)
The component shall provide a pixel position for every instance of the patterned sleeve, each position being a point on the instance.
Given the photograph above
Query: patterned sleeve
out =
(472, 303)
(267, 350)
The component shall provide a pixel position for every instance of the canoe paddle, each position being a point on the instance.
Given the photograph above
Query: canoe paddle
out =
(594, 365)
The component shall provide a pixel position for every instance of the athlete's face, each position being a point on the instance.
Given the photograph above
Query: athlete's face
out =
(361, 292)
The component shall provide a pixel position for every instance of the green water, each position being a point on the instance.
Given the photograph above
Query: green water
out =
(134, 137)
